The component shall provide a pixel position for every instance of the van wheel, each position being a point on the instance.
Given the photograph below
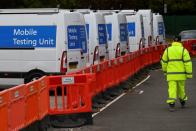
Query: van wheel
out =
(33, 76)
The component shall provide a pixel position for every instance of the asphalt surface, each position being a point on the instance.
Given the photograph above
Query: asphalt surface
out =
(145, 109)
(3, 87)
(6, 83)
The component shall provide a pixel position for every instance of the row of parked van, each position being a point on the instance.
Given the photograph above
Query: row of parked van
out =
(37, 42)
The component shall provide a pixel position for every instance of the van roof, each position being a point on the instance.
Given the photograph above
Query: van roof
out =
(128, 12)
(29, 11)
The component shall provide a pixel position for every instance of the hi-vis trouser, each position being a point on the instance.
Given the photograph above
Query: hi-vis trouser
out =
(176, 90)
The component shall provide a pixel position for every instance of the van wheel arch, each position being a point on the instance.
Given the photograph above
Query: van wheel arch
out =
(33, 74)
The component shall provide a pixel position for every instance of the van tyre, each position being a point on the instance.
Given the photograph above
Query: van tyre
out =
(33, 76)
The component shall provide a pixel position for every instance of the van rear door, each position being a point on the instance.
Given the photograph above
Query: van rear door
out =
(76, 41)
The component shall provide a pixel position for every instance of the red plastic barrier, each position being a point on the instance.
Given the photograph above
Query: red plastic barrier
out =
(161, 49)
(155, 54)
(43, 93)
(118, 70)
(122, 68)
(137, 61)
(104, 71)
(99, 83)
(132, 64)
(151, 50)
(115, 74)
(31, 102)
(147, 57)
(16, 115)
(187, 45)
(22, 105)
(93, 85)
(75, 96)
(4, 102)
(125, 71)
(129, 65)
(110, 73)
(142, 58)
(190, 45)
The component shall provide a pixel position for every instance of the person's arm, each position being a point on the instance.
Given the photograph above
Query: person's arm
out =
(164, 61)
(187, 64)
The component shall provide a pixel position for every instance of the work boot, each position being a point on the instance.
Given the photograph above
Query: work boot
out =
(172, 107)
(182, 104)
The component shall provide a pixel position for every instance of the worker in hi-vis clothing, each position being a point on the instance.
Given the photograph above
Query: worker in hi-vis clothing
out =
(177, 66)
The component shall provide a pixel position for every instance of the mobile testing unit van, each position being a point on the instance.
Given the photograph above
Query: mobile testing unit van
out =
(35, 42)
(97, 35)
(135, 29)
(148, 26)
(158, 28)
(117, 33)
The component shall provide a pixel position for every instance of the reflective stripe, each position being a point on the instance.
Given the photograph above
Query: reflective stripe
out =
(171, 73)
(175, 60)
(171, 101)
(179, 60)
(171, 98)
(164, 61)
(185, 61)
(183, 53)
(185, 97)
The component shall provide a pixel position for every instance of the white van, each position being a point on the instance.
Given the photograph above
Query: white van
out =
(148, 26)
(97, 36)
(135, 29)
(158, 28)
(37, 42)
(117, 33)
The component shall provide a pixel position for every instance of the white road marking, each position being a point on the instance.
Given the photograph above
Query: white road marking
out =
(142, 81)
(120, 97)
(141, 92)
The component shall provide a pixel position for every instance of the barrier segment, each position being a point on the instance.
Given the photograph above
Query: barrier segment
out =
(138, 58)
(100, 82)
(131, 64)
(31, 103)
(109, 74)
(43, 93)
(93, 85)
(74, 95)
(4, 102)
(190, 45)
(16, 111)
(155, 55)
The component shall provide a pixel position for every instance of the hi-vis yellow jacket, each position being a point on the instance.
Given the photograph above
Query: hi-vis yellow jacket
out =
(176, 62)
